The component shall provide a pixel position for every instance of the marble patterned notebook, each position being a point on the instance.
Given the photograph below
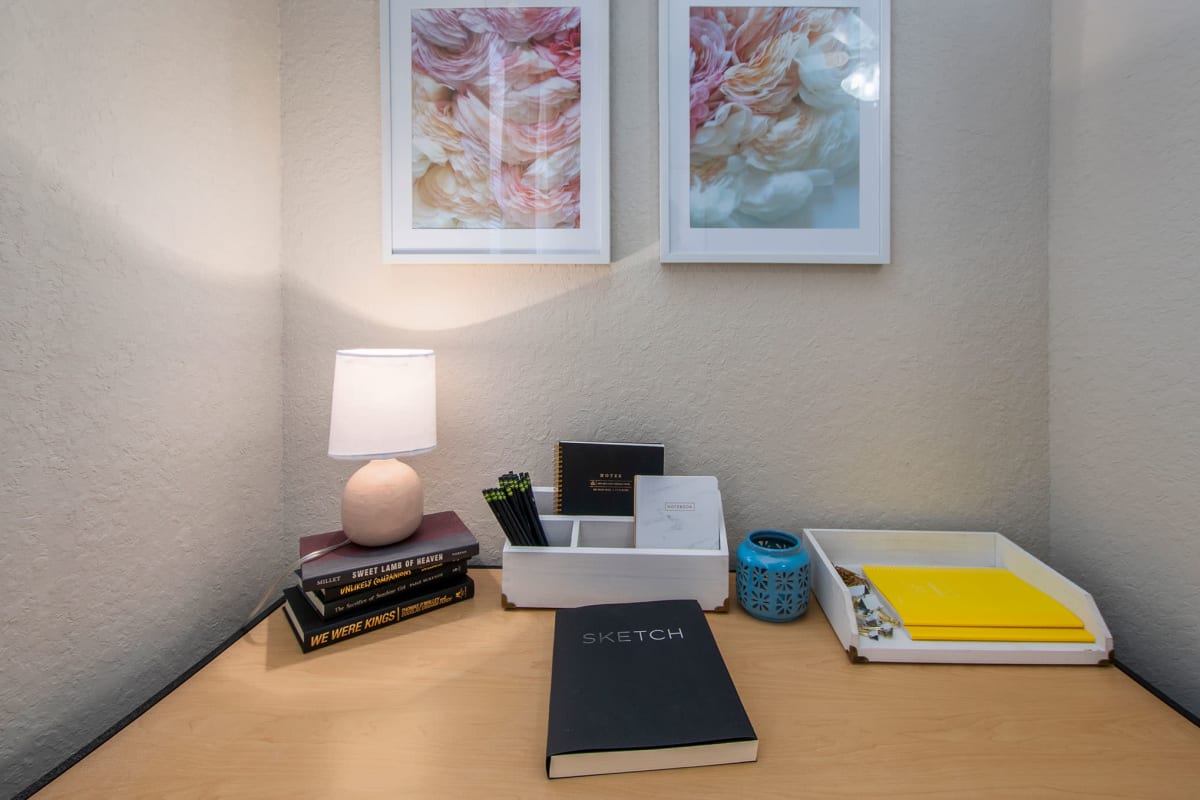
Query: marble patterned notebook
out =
(677, 511)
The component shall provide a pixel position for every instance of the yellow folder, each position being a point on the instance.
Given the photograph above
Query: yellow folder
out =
(964, 633)
(990, 597)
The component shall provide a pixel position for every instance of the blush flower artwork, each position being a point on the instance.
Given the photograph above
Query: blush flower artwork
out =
(774, 115)
(496, 117)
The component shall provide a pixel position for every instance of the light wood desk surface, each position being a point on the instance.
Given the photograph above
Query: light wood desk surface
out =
(453, 704)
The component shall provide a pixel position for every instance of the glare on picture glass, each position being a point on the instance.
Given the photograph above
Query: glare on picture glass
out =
(774, 98)
(496, 117)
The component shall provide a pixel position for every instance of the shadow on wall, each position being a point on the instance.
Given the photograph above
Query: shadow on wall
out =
(140, 484)
(905, 396)
(717, 361)
(1124, 360)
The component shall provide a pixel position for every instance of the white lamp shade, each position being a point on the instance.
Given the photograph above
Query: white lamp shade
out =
(384, 404)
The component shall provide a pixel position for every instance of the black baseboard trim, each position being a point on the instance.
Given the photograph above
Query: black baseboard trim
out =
(115, 728)
(1154, 690)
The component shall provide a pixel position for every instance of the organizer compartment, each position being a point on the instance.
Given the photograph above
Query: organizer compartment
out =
(592, 560)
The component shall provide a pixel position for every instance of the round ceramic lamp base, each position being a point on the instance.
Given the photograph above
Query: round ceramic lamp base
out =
(383, 503)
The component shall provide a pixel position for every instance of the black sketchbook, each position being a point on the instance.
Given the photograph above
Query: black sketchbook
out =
(641, 686)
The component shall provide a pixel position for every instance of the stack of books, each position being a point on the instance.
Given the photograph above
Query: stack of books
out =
(353, 589)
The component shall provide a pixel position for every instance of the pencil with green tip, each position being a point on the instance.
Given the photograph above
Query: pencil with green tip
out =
(492, 496)
(508, 487)
(518, 518)
(531, 504)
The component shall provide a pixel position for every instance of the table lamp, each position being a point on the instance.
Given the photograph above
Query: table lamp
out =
(384, 406)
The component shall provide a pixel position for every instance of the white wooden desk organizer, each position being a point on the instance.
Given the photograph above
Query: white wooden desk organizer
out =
(592, 560)
(851, 549)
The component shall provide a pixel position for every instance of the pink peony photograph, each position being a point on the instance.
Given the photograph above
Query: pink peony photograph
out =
(496, 117)
(774, 100)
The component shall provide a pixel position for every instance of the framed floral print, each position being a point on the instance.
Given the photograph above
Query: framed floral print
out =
(774, 131)
(495, 131)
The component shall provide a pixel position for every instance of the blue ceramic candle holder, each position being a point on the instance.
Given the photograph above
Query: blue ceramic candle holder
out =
(774, 575)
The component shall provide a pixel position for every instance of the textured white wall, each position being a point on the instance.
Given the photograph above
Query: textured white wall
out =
(1124, 316)
(907, 395)
(139, 353)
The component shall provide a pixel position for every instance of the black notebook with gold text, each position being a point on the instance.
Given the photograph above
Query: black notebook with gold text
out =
(596, 478)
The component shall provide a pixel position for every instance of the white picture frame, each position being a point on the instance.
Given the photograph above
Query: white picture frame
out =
(509, 214)
(754, 141)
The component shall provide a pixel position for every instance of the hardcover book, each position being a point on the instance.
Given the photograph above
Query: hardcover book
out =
(399, 588)
(596, 478)
(641, 686)
(314, 633)
(441, 537)
(331, 593)
(677, 511)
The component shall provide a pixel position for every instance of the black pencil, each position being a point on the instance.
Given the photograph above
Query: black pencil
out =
(514, 507)
(492, 496)
(524, 491)
(487, 498)
(518, 526)
(518, 514)
(531, 505)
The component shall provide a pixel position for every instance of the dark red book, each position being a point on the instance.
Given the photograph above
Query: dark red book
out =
(441, 537)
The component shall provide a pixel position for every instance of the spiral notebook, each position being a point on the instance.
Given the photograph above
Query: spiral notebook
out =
(596, 478)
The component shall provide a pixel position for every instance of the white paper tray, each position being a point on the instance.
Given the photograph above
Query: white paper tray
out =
(853, 548)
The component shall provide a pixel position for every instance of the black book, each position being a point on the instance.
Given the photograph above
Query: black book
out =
(313, 632)
(441, 537)
(596, 478)
(639, 686)
(332, 593)
(399, 588)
